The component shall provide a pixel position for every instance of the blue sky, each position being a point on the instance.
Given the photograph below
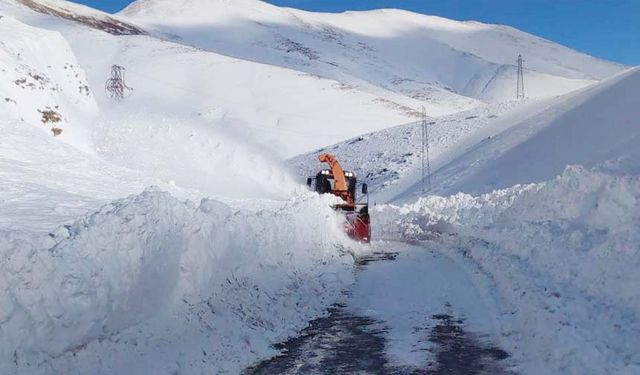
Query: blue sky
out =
(608, 29)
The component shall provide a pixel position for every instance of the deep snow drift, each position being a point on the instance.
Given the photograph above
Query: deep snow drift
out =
(563, 256)
(149, 282)
(152, 284)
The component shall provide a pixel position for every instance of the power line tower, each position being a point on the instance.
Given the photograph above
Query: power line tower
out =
(426, 162)
(115, 86)
(520, 84)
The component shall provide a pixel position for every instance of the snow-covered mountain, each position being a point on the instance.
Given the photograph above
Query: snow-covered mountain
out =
(82, 14)
(164, 233)
(387, 52)
(247, 100)
(348, 73)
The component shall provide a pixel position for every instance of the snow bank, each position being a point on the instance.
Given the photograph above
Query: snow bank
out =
(564, 256)
(150, 284)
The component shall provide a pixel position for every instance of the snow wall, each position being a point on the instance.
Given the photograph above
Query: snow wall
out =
(151, 284)
(564, 256)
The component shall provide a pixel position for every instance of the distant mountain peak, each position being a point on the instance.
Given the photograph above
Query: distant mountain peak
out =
(82, 14)
(422, 57)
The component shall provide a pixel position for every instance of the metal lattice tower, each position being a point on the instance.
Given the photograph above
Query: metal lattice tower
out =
(115, 86)
(426, 162)
(520, 84)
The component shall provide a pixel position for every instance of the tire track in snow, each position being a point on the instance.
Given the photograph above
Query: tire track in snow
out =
(347, 342)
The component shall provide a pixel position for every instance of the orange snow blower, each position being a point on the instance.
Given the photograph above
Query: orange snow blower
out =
(343, 184)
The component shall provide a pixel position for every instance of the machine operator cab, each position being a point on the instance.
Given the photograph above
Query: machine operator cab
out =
(324, 183)
(356, 212)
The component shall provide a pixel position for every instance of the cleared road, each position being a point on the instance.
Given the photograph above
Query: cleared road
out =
(410, 312)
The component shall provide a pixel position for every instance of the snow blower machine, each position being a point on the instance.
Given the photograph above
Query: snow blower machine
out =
(343, 184)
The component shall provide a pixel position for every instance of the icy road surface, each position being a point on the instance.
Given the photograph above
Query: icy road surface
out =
(414, 311)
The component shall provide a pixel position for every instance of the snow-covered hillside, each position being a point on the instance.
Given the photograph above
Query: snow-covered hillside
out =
(501, 145)
(42, 83)
(587, 128)
(388, 159)
(390, 52)
(365, 77)
(250, 100)
(94, 282)
(82, 14)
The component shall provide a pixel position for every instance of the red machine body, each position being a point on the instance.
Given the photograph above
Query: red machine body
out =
(358, 227)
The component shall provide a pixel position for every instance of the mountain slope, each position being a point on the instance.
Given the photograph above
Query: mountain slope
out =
(246, 100)
(588, 128)
(83, 14)
(421, 57)
(501, 145)
(42, 83)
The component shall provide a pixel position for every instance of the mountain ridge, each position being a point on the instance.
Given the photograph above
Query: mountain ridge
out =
(437, 56)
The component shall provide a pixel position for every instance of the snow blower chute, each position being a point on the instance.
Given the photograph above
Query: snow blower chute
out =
(343, 184)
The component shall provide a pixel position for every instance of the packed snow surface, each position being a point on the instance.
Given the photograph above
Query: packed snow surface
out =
(407, 293)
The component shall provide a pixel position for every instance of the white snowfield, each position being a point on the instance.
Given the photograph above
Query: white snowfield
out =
(101, 274)
(130, 287)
